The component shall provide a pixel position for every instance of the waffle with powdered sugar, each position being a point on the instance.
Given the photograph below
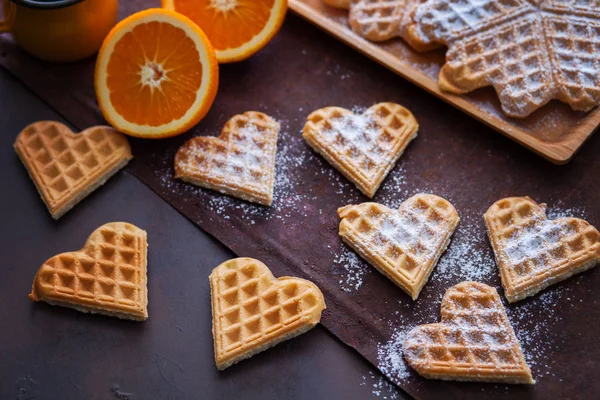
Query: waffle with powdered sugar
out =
(403, 244)
(530, 51)
(240, 162)
(533, 252)
(363, 147)
(473, 342)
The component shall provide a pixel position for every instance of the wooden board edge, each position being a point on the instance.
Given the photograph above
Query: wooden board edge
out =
(556, 153)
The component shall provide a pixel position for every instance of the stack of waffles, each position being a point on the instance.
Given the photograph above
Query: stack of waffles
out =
(530, 51)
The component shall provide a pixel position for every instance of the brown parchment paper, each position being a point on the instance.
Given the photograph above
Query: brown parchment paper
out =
(453, 156)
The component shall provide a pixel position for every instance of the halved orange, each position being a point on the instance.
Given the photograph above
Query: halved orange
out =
(156, 74)
(236, 28)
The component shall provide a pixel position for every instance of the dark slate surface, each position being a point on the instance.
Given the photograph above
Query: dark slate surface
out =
(454, 156)
(55, 353)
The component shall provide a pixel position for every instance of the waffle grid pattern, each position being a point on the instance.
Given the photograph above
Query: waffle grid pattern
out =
(531, 52)
(379, 20)
(454, 19)
(63, 163)
(534, 252)
(363, 147)
(474, 341)
(575, 49)
(108, 273)
(404, 244)
(251, 308)
(523, 83)
(241, 162)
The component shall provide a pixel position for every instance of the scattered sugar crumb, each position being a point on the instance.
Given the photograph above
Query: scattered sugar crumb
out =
(380, 387)
(559, 210)
(354, 269)
(394, 187)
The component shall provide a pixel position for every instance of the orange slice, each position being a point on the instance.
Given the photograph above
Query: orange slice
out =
(236, 28)
(156, 74)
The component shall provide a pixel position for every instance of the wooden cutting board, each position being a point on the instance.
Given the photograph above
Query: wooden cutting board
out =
(554, 131)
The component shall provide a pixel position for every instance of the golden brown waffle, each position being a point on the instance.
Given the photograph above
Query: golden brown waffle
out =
(67, 166)
(533, 252)
(474, 341)
(240, 162)
(530, 51)
(338, 3)
(403, 244)
(253, 311)
(107, 276)
(379, 20)
(365, 147)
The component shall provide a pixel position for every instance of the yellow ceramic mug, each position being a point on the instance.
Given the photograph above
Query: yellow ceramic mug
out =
(59, 30)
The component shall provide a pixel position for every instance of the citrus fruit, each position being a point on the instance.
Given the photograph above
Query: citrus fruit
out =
(156, 74)
(236, 28)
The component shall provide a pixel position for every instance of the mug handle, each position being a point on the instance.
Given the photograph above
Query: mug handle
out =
(9, 13)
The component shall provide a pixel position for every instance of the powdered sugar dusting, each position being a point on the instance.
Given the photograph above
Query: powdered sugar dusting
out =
(394, 188)
(559, 210)
(354, 269)
(358, 136)
(530, 245)
(390, 358)
(415, 231)
(251, 160)
(534, 242)
(468, 256)
(290, 198)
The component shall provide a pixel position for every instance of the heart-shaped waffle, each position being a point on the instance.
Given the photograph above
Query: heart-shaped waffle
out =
(67, 166)
(365, 147)
(473, 342)
(240, 162)
(533, 252)
(107, 276)
(253, 311)
(403, 244)
(379, 20)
